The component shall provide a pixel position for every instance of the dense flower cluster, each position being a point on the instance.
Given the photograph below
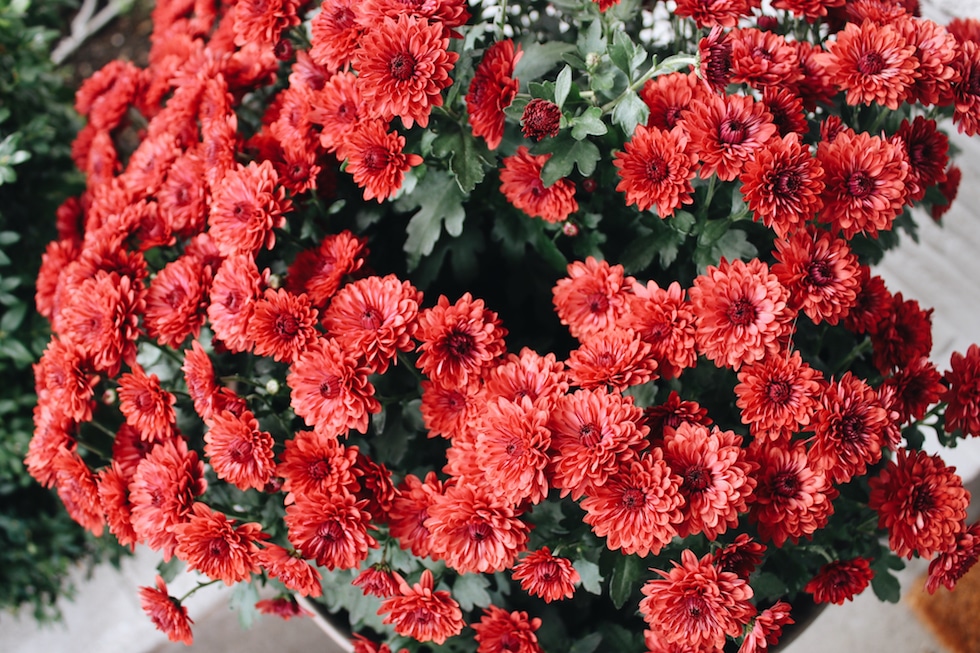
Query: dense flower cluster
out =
(646, 354)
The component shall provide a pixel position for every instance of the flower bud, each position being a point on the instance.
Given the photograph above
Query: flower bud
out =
(541, 119)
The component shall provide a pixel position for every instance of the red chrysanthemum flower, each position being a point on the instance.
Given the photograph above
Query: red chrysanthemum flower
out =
(447, 411)
(177, 301)
(696, 605)
(936, 50)
(166, 612)
(450, 14)
(289, 568)
(283, 325)
(791, 500)
(546, 576)
(742, 310)
(715, 478)
(334, 33)
(656, 168)
(726, 131)
(236, 286)
(146, 406)
(782, 185)
(410, 510)
(64, 381)
(715, 53)
(786, 107)
(778, 394)
(767, 628)
(319, 272)
(499, 631)
(668, 97)
(331, 529)
(762, 59)
(458, 341)
(337, 108)
(665, 319)
(593, 297)
(950, 566)
(963, 396)
(374, 317)
(78, 490)
(965, 28)
(376, 159)
(113, 486)
(616, 358)
(593, 433)
(403, 66)
(284, 607)
(474, 532)
(211, 543)
(903, 335)
(246, 207)
(926, 149)
(638, 506)
(714, 13)
(373, 486)
(421, 612)
(542, 379)
(238, 451)
(330, 389)
(262, 21)
(182, 198)
(492, 90)
(916, 386)
(741, 557)
(921, 502)
(520, 182)
(162, 492)
(840, 581)
(864, 180)
(377, 580)
(540, 119)
(315, 463)
(871, 305)
(949, 188)
(512, 443)
(821, 273)
(966, 91)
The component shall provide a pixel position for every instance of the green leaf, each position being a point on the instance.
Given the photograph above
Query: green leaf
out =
(587, 644)
(914, 438)
(886, 586)
(625, 54)
(732, 245)
(589, 573)
(550, 252)
(588, 124)
(15, 351)
(639, 254)
(539, 58)
(591, 41)
(630, 111)
(627, 571)
(467, 158)
(169, 570)
(563, 84)
(567, 153)
(768, 586)
(439, 201)
(470, 590)
(8, 238)
(243, 599)
(13, 317)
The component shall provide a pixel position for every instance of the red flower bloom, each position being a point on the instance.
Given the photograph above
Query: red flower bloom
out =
(146, 406)
(696, 605)
(921, 502)
(492, 90)
(726, 131)
(289, 568)
(283, 325)
(926, 149)
(742, 312)
(520, 182)
(448, 411)
(786, 107)
(715, 478)
(331, 529)
(330, 389)
(337, 107)
(319, 272)
(593, 297)
(617, 358)
(177, 301)
(782, 184)
(541, 379)
(762, 59)
(668, 97)
(334, 33)
(64, 381)
(458, 341)
(473, 532)
(712, 13)
(421, 612)
(821, 273)
(963, 396)
(767, 628)
(410, 510)
(284, 607)
(715, 52)
(403, 66)
(541, 119)
(950, 566)
(499, 631)
(376, 318)
(865, 183)
(512, 442)
(741, 557)
(235, 288)
(210, 543)
(315, 463)
(665, 319)
(636, 509)
(873, 63)
(262, 21)
(903, 335)
(949, 188)
(238, 451)
(917, 386)
(671, 414)
(78, 490)
(447, 13)
(546, 576)
(778, 394)
(246, 206)
(840, 581)
(377, 580)
(791, 499)
(376, 159)
(871, 305)
(166, 612)
(113, 486)
(593, 433)
(656, 168)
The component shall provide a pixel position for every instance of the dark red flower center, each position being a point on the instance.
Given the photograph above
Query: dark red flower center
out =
(459, 344)
(370, 319)
(375, 158)
(329, 387)
(589, 435)
(860, 185)
(286, 326)
(870, 63)
(779, 391)
(820, 273)
(597, 302)
(697, 479)
(241, 451)
(741, 312)
(657, 169)
(218, 548)
(851, 428)
(479, 531)
(175, 297)
(922, 501)
(633, 499)
(785, 485)
(402, 66)
(672, 116)
(330, 532)
(319, 470)
(788, 182)
(732, 131)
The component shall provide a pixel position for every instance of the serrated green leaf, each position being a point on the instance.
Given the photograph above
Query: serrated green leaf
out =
(588, 124)
(591, 41)
(627, 572)
(468, 157)
(732, 245)
(639, 254)
(563, 84)
(768, 586)
(13, 317)
(712, 231)
(169, 570)
(886, 586)
(539, 58)
(630, 112)
(243, 599)
(440, 202)
(589, 574)
(567, 153)
(470, 591)
(682, 221)
(621, 51)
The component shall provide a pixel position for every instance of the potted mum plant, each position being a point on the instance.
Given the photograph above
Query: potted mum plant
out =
(513, 326)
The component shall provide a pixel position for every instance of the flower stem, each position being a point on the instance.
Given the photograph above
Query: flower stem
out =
(199, 586)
